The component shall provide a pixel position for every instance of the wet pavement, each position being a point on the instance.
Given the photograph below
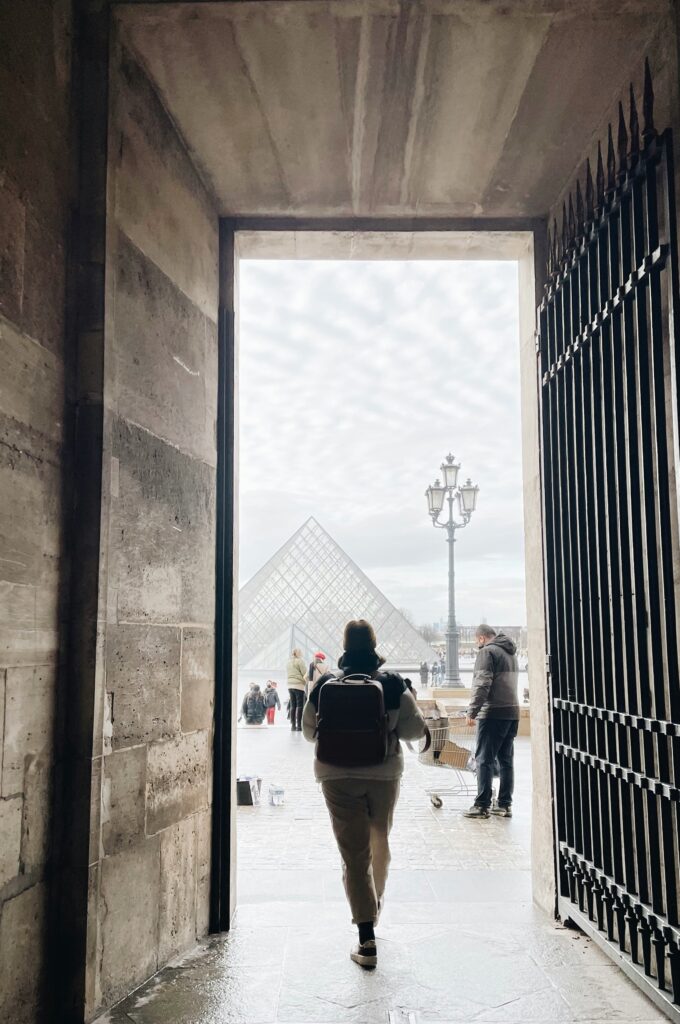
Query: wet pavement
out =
(459, 938)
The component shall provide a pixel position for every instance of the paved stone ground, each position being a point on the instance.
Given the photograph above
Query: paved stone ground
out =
(459, 937)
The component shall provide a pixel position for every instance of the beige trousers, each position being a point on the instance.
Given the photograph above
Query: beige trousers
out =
(361, 813)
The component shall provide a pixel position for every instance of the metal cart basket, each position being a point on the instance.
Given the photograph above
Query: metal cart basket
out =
(452, 747)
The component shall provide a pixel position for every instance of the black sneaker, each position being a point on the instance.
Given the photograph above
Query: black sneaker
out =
(501, 812)
(476, 812)
(365, 954)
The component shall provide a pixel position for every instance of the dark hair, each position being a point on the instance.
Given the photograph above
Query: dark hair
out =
(484, 630)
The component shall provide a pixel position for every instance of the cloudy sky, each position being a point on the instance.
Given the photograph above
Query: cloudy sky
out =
(356, 379)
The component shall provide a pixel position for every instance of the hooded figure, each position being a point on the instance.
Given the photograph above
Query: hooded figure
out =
(494, 681)
(494, 705)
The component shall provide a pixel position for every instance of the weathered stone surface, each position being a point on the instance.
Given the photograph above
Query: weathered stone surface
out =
(30, 521)
(176, 780)
(198, 678)
(31, 383)
(29, 714)
(165, 356)
(162, 530)
(203, 841)
(143, 674)
(177, 922)
(123, 796)
(10, 838)
(161, 202)
(12, 234)
(128, 911)
(37, 813)
(21, 937)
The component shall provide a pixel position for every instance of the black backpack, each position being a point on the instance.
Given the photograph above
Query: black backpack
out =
(352, 728)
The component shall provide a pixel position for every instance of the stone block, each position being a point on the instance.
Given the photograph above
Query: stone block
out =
(176, 779)
(162, 531)
(128, 909)
(161, 202)
(198, 678)
(44, 285)
(22, 926)
(177, 916)
(37, 811)
(165, 357)
(123, 796)
(143, 676)
(10, 839)
(31, 383)
(29, 722)
(12, 236)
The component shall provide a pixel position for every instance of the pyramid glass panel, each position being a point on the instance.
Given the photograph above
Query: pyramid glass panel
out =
(307, 591)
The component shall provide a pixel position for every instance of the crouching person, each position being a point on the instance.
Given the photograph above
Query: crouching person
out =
(357, 718)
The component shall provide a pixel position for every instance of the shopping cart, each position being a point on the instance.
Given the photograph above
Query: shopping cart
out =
(452, 747)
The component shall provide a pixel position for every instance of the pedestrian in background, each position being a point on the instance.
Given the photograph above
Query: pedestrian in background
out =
(253, 707)
(271, 701)
(297, 681)
(317, 668)
(423, 673)
(494, 706)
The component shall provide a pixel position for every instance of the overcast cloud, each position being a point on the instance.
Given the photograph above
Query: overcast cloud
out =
(356, 379)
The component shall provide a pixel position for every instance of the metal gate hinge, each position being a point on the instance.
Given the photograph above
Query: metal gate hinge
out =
(548, 663)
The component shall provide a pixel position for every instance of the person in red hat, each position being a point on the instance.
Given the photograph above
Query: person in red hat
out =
(317, 668)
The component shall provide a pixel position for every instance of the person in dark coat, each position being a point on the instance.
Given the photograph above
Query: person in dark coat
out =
(494, 706)
(423, 673)
(253, 707)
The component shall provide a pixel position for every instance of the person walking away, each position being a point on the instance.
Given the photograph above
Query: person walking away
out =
(494, 706)
(357, 719)
(271, 701)
(316, 669)
(423, 674)
(297, 681)
(253, 707)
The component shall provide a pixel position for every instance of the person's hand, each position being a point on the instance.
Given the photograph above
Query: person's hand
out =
(470, 722)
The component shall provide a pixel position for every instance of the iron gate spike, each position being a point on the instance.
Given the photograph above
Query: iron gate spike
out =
(590, 211)
(622, 144)
(600, 177)
(565, 236)
(572, 222)
(611, 162)
(634, 127)
(579, 207)
(648, 130)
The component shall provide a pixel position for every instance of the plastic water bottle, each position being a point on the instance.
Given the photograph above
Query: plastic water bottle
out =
(275, 794)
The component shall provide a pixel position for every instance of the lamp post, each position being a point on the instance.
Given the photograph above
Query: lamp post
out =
(466, 497)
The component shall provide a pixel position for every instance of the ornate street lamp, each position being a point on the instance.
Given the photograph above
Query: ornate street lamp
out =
(466, 497)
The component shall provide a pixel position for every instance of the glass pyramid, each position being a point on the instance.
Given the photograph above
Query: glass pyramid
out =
(303, 597)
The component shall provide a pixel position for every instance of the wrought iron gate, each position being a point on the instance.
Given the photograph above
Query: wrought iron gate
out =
(609, 411)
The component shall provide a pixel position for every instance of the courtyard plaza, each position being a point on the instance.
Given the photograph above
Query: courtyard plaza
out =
(459, 937)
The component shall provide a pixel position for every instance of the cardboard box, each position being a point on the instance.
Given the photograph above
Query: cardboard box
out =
(454, 755)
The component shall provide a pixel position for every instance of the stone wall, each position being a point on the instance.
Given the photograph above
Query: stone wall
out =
(153, 748)
(35, 181)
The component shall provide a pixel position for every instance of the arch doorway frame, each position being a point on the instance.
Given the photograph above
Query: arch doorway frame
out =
(520, 240)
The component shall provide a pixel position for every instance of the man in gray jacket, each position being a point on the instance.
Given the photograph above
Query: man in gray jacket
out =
(494, 706)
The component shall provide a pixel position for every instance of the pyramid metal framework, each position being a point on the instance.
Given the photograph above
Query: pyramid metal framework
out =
(309, 589)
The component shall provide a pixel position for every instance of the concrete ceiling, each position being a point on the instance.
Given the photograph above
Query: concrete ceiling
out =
(429, 108)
